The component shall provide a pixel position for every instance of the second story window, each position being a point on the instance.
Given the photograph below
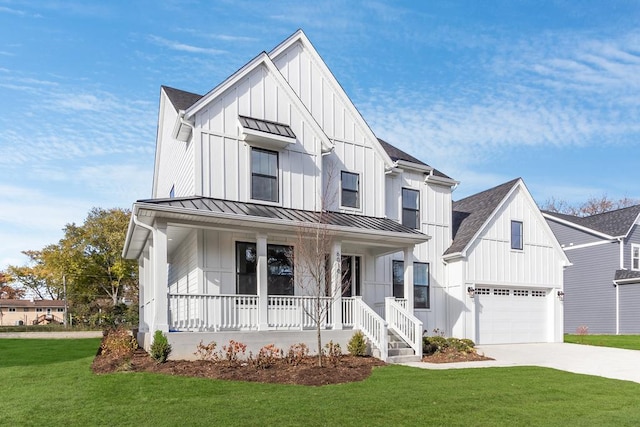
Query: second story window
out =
(635, 257)
(411, 208)
(516, 235)
(264, 175)
(350, 189)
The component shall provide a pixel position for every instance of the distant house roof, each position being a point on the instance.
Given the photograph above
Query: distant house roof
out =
(181, 99)
(613, 223)
(266, 126)
(29, 303)
(397, 154)
(627, 275)
(470, 213)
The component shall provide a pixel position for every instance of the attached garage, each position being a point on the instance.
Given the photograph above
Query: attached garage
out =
(506, 315)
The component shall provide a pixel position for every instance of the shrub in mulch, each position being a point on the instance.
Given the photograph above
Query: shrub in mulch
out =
(271, 365)
(438, 349)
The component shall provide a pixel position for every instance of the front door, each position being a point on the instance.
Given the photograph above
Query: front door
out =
(351, 275)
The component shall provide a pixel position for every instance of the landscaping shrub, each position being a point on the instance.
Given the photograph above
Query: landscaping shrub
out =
(297, 353)
(266, 357)
(118, 342)
(233, 350)
(160, 348)
(207, 352)
(431, 345)
(357, 344)
(333, 353)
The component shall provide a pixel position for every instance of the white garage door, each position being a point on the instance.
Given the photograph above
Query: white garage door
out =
(511, 315)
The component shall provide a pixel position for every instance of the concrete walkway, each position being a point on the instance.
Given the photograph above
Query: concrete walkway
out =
(580, 359)
(53, 335)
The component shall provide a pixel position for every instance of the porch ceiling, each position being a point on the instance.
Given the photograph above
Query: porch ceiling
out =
(382, 235)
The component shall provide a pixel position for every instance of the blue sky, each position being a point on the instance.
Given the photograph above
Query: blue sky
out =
(484, 91)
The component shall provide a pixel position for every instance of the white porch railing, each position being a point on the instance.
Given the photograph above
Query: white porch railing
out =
(372, 325)
(199, 312)
(404, 324)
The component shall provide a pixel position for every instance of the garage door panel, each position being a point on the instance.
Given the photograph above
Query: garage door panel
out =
(511, 315)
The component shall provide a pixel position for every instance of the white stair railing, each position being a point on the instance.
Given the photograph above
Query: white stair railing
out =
(372, 326)
(404, 323)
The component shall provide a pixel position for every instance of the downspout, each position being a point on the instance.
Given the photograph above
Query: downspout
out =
(621, 241)
(615, 285)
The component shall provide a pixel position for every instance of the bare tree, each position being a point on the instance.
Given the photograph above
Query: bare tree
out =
(593, 206)
(315, 264)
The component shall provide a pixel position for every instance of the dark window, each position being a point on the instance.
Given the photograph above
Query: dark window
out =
(516, 235)
(264, 175)
(398, 279)
(25, 309)
(420, 283)
(279, 269)
(410, 208)
(350, 189)
(12, 309)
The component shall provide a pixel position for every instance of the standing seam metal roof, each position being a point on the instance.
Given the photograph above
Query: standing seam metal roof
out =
(206, 204)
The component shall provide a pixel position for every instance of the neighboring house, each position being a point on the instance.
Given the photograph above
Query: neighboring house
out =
(279, 145)
(602, 288)
(30, 312)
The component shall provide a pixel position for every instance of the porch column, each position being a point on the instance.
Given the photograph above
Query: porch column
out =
(336, 284)
(262, 278)
(408, 277)
(160, 278)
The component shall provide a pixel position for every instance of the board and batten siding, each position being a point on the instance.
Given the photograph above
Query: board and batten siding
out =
(226, 157)
(176, 158)
(490, 258)
(629, 306)
(589, 295)
(355, 148)
(183, 266)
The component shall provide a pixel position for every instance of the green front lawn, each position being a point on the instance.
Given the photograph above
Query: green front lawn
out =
(49, 382)
(631, 342)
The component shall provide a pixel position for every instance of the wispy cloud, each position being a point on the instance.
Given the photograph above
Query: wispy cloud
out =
(183, 47)
(4, 9)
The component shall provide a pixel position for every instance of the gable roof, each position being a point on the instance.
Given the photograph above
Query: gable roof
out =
(471, 213)
(45, 303)
(180, 99)
(614, 223)
(397, 154)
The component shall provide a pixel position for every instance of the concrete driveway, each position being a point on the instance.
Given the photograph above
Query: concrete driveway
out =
(581, 359)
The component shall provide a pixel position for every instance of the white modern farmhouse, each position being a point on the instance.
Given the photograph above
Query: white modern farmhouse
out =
(278, 147)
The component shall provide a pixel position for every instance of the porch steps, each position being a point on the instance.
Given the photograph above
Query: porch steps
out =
(399, 351)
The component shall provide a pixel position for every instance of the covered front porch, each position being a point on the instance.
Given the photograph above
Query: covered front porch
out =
(208, 271)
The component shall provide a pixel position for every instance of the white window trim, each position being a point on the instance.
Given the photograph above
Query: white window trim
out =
(351, 208)
(634, 246)
(401, 206)
(521, 222)
(250, 173)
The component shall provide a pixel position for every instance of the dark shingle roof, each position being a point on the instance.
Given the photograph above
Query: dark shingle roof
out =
(181, 99)
(266, 126)
(470, 213)
(627, 274)
(206, 204)
(614, 223)
(28, 303)
(397, 154)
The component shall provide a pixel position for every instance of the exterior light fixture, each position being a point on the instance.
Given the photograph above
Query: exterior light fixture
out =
(561, 295)
(471, 291)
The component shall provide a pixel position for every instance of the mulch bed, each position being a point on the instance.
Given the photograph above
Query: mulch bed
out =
(348, 369)
(451, 356)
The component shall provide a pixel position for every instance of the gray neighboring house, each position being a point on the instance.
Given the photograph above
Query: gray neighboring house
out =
(602, 288)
